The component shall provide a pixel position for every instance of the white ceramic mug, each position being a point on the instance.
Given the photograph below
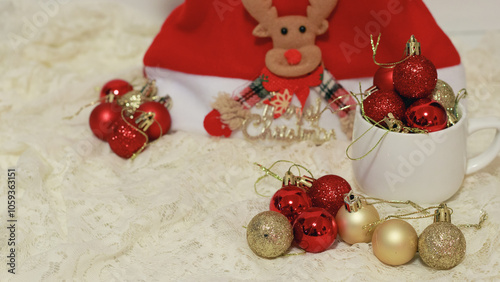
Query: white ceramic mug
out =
(424, 168)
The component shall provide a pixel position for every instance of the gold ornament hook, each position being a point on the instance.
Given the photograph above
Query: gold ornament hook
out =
(412, 46)
(289, 179)
(145, 120)
(443, 214)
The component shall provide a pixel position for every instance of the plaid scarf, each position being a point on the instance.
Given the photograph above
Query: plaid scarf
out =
(331, 91)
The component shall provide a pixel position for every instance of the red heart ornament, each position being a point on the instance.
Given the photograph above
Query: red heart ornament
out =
(126, 141)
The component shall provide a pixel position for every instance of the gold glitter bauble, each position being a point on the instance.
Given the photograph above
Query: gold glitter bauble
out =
(442, 245)
(443, 93)
(394, 242)
(269, 234)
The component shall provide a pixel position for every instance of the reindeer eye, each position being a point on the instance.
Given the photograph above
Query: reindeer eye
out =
(302, 29)
(284, 31)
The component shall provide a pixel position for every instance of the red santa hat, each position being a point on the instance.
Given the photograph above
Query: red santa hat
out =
(208, 37)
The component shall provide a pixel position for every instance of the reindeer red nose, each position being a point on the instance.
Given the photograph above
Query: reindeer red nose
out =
(293, 56)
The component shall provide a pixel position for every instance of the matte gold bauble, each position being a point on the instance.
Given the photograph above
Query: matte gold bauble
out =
(352, 217)
(269, 234)
(394, 242)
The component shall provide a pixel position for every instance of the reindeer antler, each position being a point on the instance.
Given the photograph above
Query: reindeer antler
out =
(261, 10)
(319, 10)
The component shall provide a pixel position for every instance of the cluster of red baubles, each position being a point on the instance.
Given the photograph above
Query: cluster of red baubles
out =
(311, 210)
(114, 123)
(405, 90)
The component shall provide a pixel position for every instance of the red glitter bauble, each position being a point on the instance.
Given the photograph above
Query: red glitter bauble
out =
(380, 103)
(383, 78)
(162, 118)
(126, 140)
(102, 119)
(328, 192)
(415, 78)
(315, 230)
(117, 87)
(427, 114)
(290, 201)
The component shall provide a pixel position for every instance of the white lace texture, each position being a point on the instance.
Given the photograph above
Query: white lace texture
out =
(177, 211)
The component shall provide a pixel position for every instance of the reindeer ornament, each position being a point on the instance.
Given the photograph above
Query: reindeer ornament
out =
(292, 67)
(294, 52)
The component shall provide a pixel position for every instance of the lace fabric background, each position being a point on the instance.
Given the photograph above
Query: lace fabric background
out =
(177, 211)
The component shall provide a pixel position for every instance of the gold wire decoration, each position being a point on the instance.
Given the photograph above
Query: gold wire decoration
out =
(269, 172)
(479, 225)
(482, 219)
(390, 65)
(109, 97)
(380, 201)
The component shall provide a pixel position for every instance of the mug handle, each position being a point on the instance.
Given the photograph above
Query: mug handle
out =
(478, 162)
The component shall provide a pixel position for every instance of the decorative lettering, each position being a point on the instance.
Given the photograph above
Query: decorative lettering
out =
(261, 127)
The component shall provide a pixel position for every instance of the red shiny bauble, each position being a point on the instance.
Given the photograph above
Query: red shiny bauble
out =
(328, 192)
(315, 230)
(102, 119)
(415, 78)
(380, 103)
(126, 140)
(290, 201)
(117, 87)
(383, 78)
(162, 118)
(427, 114)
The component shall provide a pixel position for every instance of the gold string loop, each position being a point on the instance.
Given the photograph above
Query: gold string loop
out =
(379, 201)
(327, 107)
(372, 225)
(269, 172)
(460, 95)
(479, 225)
(298, 169)
(89, 105)
(386, 65)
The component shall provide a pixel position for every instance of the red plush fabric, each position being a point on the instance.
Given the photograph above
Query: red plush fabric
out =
(214, 37)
